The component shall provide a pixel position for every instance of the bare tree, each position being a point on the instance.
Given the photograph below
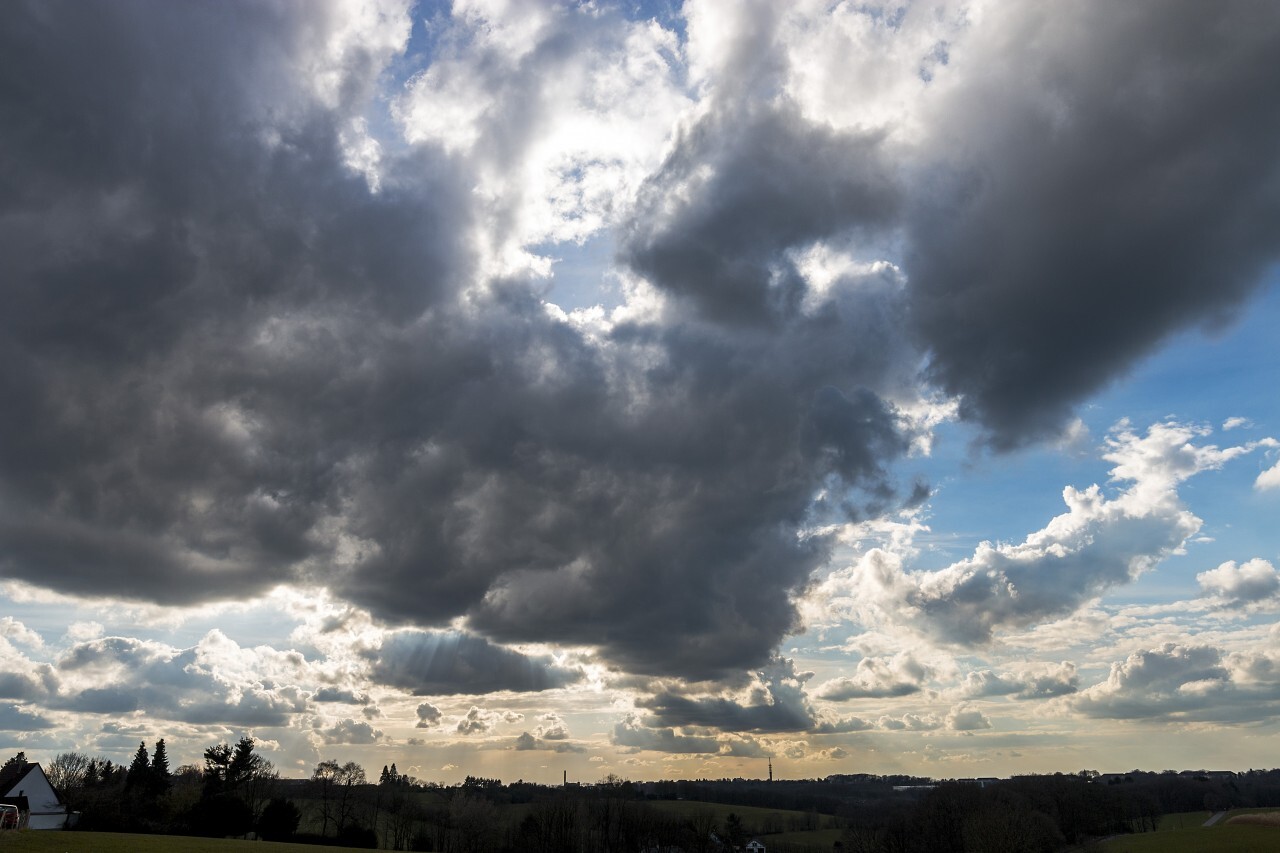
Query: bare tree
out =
(403, 814)
(473, 825)
(350, 778)
(323, 779)
(68, 771)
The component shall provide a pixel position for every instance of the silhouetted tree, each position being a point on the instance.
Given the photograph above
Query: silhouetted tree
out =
(219, 816)
(69, 771)
(159, 779)
(19, 761)
(350, 777)
(323, 779)
(139, 771)
(279, 820)
(734, 833)
(217, 759)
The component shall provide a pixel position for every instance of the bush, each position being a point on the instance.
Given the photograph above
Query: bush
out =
(279, 820)
(357, 836)
(220, 816)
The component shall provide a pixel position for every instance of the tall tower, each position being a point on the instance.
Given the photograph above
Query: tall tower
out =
(770, 769)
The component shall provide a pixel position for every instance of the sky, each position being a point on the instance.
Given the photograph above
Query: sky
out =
(654, 389)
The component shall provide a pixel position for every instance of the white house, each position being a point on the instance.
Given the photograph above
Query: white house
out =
(755, 845)
(47, 811)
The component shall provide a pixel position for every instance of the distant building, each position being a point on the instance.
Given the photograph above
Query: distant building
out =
(755, 845)
(26, 786)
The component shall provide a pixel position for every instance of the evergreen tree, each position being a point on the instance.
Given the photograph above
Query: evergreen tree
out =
(19, 761)
(159, 777)
(139, 771)
(216, 761)
(385, 778)
(394, 775)
(244, 764)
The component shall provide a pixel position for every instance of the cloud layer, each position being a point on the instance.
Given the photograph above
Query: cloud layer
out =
(279, 316)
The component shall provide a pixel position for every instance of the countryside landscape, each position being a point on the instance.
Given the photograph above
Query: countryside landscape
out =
(640, 426)
(238, 794)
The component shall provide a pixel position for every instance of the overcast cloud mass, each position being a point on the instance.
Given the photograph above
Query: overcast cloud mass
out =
(483, 382)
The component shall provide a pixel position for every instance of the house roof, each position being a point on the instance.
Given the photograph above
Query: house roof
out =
(14, 774)
(14, 778)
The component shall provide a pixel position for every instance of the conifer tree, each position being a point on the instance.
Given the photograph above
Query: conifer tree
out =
(19, 761)
(159, 777)
(244, 764)
(139, 771)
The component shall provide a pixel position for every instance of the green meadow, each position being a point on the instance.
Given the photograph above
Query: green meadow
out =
(1185, 833)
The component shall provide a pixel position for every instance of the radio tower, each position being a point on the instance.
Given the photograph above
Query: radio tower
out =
(770, 769)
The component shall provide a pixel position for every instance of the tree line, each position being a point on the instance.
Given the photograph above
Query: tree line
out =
(237, 792)
(1047, 813)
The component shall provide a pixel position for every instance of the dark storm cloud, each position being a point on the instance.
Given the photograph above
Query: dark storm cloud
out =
(183, 264)
(440, 663)
(776, 702)
(228, 365)
(777, 182)
(1111, 179)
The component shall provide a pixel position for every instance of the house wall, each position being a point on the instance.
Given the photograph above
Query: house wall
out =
(54, 820)
(47, 812)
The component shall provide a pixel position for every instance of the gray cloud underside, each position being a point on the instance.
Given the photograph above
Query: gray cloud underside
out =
(173, 684)
(1186, 683)
(439, 663)
(1110, 180)
(14, 718)
(1041, 682)
(235, 367)
(226, 365)
(774, 702)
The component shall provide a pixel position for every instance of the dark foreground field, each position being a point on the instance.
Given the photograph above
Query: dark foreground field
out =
(51, 841)
(1179, 835)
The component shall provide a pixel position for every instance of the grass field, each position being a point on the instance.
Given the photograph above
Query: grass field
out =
(52, 841)
(751, 815)
(1217, 839)
(1183, 820)
(1256, 818)
(817, 839)
(1184, 833)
